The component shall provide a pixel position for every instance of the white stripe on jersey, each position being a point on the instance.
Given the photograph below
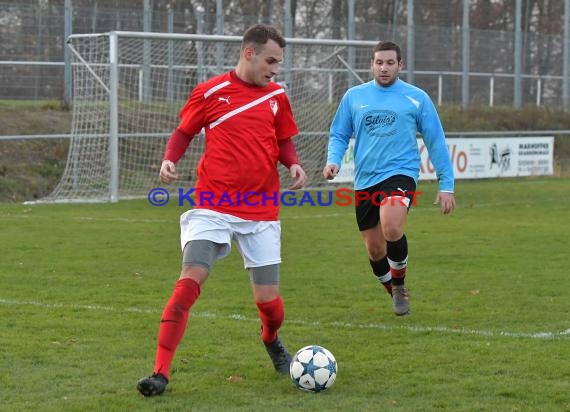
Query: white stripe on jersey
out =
(245, 107)
(216, 88)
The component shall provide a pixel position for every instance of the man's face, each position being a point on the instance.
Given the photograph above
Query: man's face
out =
(385, 67)
(262, 66)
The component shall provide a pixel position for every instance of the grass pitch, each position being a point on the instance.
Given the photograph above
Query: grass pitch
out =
(82, 288)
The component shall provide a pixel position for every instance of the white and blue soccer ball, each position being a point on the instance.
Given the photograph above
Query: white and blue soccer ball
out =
(313, 369)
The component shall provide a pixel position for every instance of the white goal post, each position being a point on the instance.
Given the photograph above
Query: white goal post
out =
(128, 89)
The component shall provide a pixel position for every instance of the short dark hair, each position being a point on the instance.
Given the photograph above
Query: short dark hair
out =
(388, 45)
(259, 34)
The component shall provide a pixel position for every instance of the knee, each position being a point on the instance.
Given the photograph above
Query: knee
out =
(392, 233)
(265, 293)
(198, 274)
(376, 250)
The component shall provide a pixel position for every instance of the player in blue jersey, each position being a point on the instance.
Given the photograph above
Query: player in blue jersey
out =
(384, 116)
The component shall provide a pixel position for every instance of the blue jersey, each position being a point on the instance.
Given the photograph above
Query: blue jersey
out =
(384, 122)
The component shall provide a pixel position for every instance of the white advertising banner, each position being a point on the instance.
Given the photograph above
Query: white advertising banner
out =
(477, 158)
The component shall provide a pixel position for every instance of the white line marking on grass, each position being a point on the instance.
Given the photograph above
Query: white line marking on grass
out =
(129, 220)
(344, 325)
(318, 216)
(122, 219)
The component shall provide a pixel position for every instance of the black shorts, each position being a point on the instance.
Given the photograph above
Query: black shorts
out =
(368, 201)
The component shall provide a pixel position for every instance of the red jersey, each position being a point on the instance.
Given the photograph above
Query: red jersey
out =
(237, 173)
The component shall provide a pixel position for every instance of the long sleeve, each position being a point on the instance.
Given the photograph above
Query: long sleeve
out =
(287, 153)
(177, 145)
(340, 132)
(434, 138)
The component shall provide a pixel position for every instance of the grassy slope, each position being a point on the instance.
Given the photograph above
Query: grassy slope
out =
(29, 169)
(24, 117)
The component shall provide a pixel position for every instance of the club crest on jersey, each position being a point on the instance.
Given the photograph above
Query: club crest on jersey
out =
(274, 106)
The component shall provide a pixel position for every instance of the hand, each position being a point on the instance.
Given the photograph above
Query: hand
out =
(446, 201)
(168, 172)
(298, 175)
(330, 171)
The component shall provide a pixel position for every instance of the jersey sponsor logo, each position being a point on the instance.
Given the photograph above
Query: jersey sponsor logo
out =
(380, 123)
(362, 106)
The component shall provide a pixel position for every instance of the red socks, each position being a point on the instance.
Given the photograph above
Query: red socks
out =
(271, 314)
(175, 317)
(398, 273)
(173, 323)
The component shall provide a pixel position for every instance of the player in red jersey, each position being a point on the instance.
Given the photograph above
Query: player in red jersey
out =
(249, 125)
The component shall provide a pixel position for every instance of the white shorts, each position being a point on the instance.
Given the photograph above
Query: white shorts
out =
(259, 242)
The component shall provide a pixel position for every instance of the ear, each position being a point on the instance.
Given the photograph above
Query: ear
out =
(248, 52)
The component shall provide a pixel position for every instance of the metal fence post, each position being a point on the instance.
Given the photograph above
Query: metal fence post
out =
(566, 56)
(288, 33)
(350, 33)
(219, 31)
(146, 70)
(170, 91)
(67, 73)
(465, 55)
(517, 95)
(410, 63)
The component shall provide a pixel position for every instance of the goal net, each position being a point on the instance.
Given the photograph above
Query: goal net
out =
(128, 89)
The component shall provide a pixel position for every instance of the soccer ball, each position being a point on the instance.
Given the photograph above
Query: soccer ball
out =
(313, 369)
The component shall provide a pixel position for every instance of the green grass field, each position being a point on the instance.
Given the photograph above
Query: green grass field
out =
(82, 288)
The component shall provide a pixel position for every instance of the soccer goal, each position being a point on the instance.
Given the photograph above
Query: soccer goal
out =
(128, 88)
